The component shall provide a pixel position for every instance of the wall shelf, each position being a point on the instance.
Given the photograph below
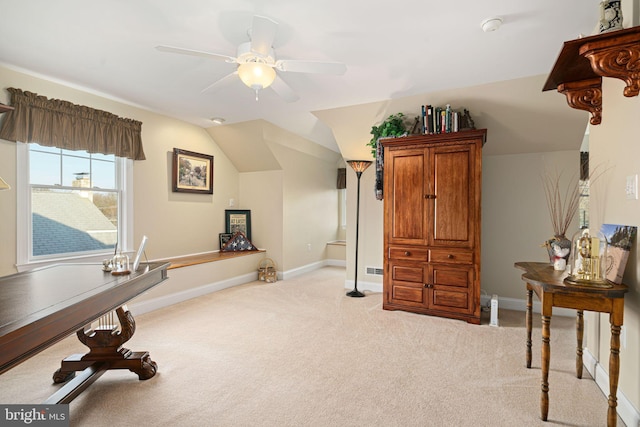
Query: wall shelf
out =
(583, 62)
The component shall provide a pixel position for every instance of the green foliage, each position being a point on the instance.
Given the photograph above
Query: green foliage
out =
(393, 126)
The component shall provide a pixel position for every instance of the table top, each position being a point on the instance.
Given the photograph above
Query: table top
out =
(543, 274)
(42, 306)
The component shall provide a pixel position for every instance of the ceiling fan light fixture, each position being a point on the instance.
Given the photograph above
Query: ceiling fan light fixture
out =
(256, 75)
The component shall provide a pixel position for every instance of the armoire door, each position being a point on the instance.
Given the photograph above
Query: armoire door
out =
(451, 183)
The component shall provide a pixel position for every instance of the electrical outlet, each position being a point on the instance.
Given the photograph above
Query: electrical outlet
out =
(308, 247)
(623, 337)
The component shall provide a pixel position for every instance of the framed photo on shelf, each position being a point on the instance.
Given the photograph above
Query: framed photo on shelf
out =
(192, 172)
(224, 238)
(238, 220)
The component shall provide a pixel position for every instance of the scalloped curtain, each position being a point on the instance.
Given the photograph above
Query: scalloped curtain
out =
(61, 124)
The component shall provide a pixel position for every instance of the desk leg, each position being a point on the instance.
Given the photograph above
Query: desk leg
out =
(105, 344)
(579, 336)
(528, 320)
(546, 356)
(614, 371)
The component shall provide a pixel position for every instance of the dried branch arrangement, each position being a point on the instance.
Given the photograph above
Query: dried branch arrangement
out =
(563, 201)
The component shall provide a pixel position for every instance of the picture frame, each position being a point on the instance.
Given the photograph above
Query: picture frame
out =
(619, 240)
(192, 172)
(238, 220)
(224, 238)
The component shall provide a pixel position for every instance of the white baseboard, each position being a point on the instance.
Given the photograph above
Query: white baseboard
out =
(167, 300)
(626, 411)
(521, 305)
(364, 286)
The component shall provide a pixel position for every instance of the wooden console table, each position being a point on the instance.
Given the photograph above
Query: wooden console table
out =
(548, 285)
(40, 307)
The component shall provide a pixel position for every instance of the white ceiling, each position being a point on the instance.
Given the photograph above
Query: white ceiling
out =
(393, 50)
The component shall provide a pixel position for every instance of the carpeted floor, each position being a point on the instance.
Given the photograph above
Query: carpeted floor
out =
(300, 353)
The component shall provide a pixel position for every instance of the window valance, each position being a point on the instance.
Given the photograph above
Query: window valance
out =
(57, 123)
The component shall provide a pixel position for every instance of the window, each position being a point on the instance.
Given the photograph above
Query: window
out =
(71, 204)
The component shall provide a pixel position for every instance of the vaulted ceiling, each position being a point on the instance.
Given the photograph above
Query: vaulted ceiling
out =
(398, 55)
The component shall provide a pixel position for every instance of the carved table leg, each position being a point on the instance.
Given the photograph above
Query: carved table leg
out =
(528, 320)
(579, 336)
(546, 356)
(614, 371)
(105, 345)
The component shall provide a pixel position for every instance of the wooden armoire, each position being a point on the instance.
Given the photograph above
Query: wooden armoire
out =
(432, 194)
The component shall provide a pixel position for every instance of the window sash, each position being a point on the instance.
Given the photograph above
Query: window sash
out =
(24, 258)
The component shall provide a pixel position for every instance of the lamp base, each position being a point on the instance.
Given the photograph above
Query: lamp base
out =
(355, 294)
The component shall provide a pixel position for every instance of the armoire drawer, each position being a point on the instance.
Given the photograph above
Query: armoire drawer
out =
(416, 254)
(450, 256)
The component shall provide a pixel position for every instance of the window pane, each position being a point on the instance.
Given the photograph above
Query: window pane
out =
(73, 221)
(76, 172)
(77, 153)
(37, 147)
(44, 168)
(103, 174)
(99, 156)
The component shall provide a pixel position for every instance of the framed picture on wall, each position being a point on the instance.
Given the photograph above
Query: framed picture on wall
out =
(238, 220)
(192, 172)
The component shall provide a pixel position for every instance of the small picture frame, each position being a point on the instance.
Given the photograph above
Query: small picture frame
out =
(238, 220)
(224, 238)
(192, 172)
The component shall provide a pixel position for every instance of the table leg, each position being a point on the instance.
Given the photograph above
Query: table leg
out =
(546, 356)
(579, 336)
(528, 320)
(614, 371)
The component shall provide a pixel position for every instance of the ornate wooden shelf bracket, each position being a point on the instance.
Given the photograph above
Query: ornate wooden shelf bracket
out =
(621, 62)
(582, 63)
(585, 95)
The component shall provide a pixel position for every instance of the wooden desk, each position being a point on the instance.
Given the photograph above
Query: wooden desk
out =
(41, 307)
(548, 285)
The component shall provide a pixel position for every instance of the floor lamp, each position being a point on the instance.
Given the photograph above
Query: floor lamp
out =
(359, 166)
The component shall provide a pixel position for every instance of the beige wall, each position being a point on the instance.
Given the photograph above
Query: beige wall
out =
(310, 213)
(615, 144)
(263, 194)
(515, 219)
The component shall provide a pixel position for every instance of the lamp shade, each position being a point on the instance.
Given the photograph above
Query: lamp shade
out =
(256, 75)
(359, 165)
(4, 185)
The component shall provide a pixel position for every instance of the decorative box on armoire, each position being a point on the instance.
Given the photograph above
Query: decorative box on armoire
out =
(432, 194)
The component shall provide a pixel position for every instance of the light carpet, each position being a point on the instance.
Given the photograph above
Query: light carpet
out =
(300, 353)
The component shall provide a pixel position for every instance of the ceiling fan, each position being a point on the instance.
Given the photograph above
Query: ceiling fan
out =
(257, 64)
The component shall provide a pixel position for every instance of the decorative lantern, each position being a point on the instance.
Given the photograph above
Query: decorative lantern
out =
(588, 259)
(120, 264)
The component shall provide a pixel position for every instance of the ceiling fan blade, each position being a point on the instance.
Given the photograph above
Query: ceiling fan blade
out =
(263, 32)
(182, 51)
(283, 90)
(222, 82)
(318, 67)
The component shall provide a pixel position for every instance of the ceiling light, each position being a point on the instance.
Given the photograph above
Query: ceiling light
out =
(491, 24)
(217, 120)
(257, 75)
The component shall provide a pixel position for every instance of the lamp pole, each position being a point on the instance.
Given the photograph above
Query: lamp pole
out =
(358, 166)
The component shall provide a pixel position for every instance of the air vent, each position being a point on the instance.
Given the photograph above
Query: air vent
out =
(375, 271)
